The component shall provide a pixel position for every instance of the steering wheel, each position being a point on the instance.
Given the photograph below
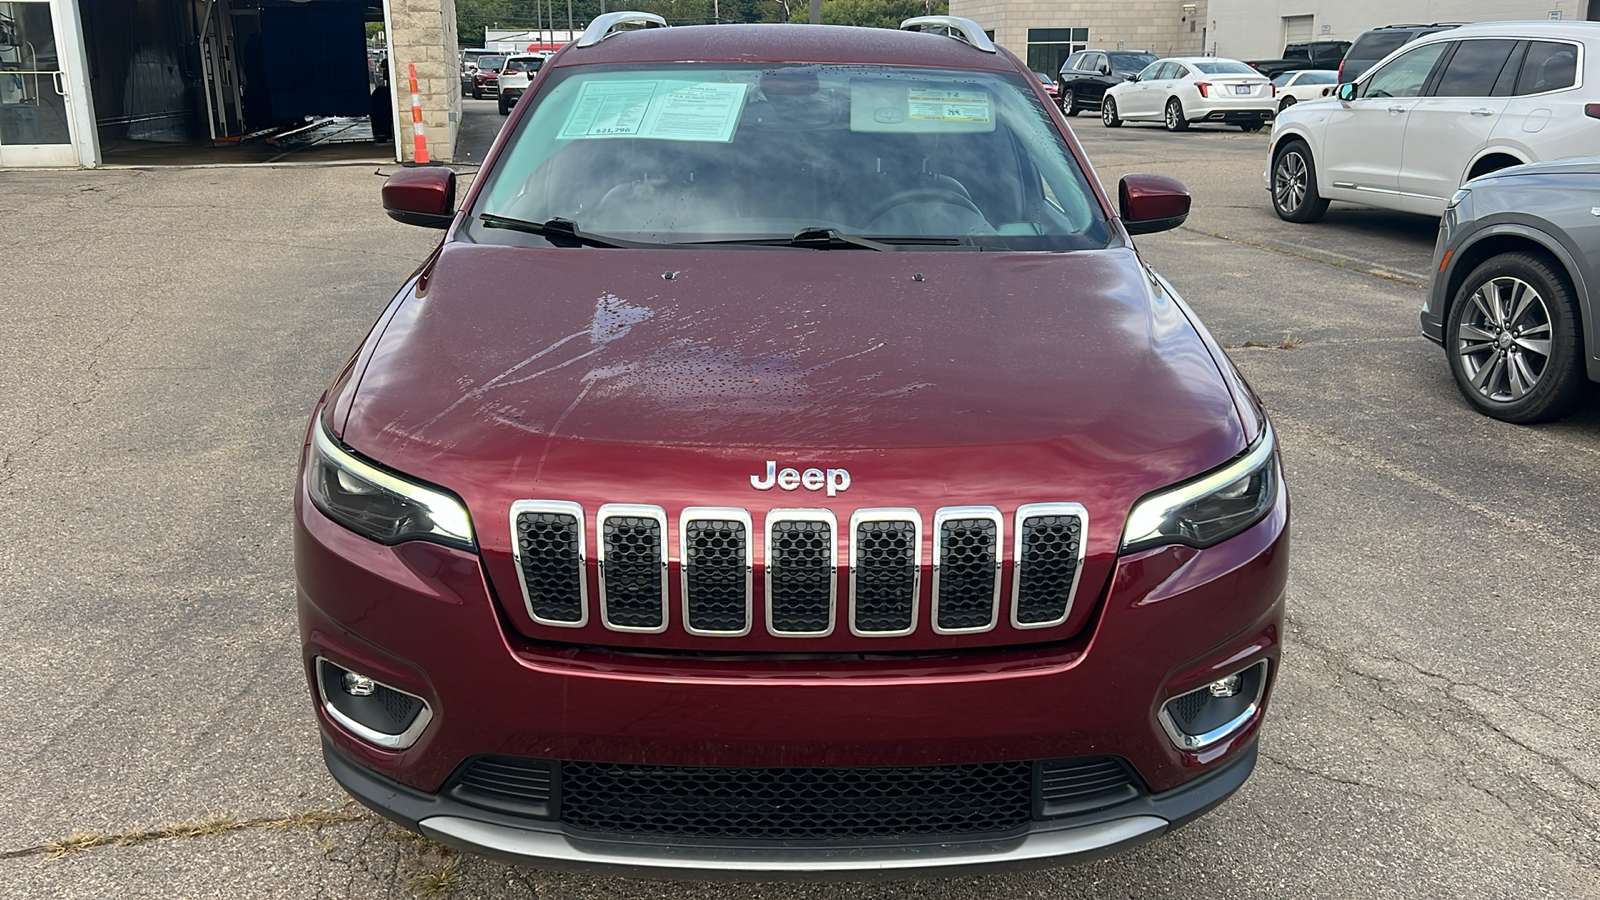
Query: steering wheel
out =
(922, 195)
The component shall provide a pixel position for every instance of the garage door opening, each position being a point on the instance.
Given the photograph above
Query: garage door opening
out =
(238, 81)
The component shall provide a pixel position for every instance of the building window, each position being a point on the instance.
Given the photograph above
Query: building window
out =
(1048, 48)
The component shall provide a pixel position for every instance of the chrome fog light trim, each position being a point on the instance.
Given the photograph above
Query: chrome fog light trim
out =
(1188, 741)
(372, 736)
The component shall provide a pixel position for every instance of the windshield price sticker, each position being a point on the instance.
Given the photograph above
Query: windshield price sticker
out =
(665, 110)
(948, 106)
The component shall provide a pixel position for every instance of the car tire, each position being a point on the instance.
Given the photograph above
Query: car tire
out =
(1108, 113)
(1294, 184)
(1069, 108)
(1286, 102)
(1174, 116)
(1514, 340)
(1251, 126)
(477, 94)
(504, 109)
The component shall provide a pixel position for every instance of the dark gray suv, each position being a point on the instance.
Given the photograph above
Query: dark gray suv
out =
(1513, 296)
(1374, 45)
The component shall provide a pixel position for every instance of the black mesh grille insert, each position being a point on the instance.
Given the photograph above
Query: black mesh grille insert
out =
(968, 573)
(885, 575)
(633, 572)
(1079, 785)
(508, 784)
(715, 574)
(796, 804)
(801, 571)
(1047, 567)
(547, 551)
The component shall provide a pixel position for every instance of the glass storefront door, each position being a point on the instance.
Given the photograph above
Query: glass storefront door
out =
(35, 118)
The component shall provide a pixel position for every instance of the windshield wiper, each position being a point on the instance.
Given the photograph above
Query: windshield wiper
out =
(832, 239)
(558, 231)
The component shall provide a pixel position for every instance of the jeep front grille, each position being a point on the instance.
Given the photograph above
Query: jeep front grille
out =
(548, 547)
(716, 571)
(803, 551)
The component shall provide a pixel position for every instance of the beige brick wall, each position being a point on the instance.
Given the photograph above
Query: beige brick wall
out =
(424, 32)
(1254, 29)
(1159, 26)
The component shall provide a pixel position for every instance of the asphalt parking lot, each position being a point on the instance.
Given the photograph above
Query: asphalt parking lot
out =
(166, 331)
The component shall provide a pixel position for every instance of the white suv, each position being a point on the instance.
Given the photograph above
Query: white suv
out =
(515, 76)
(1443, 109)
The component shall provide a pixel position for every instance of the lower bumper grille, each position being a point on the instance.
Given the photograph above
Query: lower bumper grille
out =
(793, 804)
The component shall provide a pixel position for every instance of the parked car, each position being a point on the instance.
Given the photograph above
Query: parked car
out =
(1512, 299)
(469, 67)
(1310, 84)
(486, 78)
(515, 75)
(1445, 108)
(1050, 86)
(1301, 56)
(1378, 43)
(1179, 92)
(680, 519)
(1086, 74)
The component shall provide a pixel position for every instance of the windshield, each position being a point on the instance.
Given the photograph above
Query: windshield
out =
(684, 154)
(1224, 67)
(1130, 62)
(524, 65)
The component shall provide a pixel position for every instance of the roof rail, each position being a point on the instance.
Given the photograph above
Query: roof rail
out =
(964, 30)
(605, 26)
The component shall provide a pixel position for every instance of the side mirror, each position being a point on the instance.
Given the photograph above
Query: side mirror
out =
(1347, 91)
(425, 197)
(1151, 203)
(1134, 77)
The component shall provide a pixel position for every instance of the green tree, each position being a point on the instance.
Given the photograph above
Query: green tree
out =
(875, 13)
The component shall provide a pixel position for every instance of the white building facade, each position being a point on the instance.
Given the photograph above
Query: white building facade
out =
(1258, 29)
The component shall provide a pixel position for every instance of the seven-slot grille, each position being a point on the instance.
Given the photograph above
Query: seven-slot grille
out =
(802, 582)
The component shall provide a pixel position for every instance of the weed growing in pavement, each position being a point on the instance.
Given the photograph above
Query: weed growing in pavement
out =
(80, 841)
(437, 881)
(1289, 342)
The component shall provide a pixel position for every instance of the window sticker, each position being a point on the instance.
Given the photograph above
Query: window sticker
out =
(948, 106)
(665, 110)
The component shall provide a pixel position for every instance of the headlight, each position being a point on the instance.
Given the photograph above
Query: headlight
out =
(1211, 508)
(1455, 199)
(378, 505)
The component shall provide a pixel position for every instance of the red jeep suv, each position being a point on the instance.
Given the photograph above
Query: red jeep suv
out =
(786, 466)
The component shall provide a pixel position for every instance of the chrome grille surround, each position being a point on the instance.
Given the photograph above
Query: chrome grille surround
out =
(779, 517)
(1020, 563)
(1061, 583)
(555, 508)
(943, 581)
(857, 575)
(631, 511)
(686, 564)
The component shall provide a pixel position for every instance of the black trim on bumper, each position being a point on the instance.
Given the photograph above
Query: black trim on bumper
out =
(550, 845)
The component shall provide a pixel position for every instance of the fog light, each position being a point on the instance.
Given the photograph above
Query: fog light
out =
(1208, 714)
(369, 709)
(1227, 687)
(362, 686)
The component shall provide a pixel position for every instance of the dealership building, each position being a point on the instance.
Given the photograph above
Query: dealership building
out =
(1044, 32)
(90, 82)
(95, 82)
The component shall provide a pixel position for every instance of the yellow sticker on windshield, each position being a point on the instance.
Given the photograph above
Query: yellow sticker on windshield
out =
(948, 106)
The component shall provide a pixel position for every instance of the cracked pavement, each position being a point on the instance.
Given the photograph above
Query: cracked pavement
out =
(166, 332)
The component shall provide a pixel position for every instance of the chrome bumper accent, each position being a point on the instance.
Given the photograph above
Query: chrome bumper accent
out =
(666, 861)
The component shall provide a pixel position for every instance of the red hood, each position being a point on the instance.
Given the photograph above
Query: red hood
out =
(937, 379)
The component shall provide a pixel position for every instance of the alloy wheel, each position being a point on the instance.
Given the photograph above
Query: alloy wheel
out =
(1289, 181)
(1504, 338)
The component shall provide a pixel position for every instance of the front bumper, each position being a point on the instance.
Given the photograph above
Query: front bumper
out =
(553, 845)
(423, 619)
